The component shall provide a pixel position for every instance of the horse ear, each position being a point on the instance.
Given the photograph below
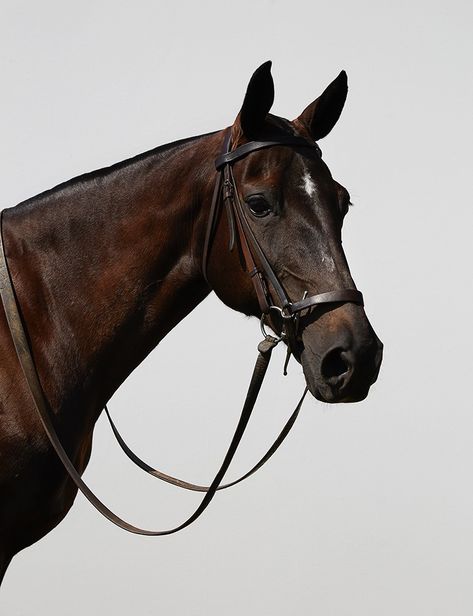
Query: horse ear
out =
(258, 100)
(321, 116)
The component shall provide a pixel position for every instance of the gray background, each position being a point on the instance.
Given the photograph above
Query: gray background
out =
(368, 509)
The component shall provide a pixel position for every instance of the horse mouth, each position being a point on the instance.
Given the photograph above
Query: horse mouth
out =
(333, 397)
(342, 376)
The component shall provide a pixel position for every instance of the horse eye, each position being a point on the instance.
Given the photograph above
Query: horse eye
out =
(258, 205)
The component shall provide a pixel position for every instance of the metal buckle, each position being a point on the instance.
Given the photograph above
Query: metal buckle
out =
(284, 311)
(265, 333)
(227, 190)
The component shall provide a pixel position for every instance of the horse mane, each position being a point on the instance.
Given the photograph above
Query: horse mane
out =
(104, 172)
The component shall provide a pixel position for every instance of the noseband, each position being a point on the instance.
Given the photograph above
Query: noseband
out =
(269, 290)
(271, 297)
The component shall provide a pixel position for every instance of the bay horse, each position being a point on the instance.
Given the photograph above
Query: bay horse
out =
(106, 264)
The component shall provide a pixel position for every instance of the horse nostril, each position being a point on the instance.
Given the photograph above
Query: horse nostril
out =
(334, 364)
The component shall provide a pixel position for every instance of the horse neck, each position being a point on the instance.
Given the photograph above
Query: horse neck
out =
(106, 265)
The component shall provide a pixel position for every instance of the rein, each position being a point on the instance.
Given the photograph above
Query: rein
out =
(46, 415)
(271, 297)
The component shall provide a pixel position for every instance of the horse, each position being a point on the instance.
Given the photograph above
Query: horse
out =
(106, 264)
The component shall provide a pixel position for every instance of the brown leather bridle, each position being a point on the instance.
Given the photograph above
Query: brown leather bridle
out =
(271, 296)
(269, 290)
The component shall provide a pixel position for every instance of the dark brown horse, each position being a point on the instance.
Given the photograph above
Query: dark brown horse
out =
(105, 265)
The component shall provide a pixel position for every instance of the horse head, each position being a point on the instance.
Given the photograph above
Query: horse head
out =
(295, 210)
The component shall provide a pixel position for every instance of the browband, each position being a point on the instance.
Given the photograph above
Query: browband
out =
(253, 146)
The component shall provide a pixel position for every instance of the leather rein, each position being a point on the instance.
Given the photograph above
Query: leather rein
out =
(271, 297)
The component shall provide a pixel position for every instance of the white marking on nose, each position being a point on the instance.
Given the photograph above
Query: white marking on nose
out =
(327, 259)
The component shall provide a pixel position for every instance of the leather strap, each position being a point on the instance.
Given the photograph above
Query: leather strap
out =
(226, 192)
(251, 245)
(257, 254)
(213, 213)
(45, 414)
(180, 483)
(330, 297)
(253, 146)
(265, 280)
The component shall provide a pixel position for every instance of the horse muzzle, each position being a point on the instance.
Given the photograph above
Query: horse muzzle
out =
(342, 365)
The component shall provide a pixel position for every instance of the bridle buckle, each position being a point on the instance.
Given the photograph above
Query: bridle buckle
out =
(285, 312)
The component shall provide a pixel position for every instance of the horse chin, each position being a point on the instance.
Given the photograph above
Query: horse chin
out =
(323, 393)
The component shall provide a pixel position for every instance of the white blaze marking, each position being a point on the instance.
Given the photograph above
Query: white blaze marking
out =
(308, 184)
(310, 188)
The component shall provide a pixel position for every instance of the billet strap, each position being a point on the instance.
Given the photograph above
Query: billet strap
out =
(180, 483)
(44, 411)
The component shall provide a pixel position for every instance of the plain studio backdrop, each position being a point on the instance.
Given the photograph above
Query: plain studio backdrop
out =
(368, 508)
